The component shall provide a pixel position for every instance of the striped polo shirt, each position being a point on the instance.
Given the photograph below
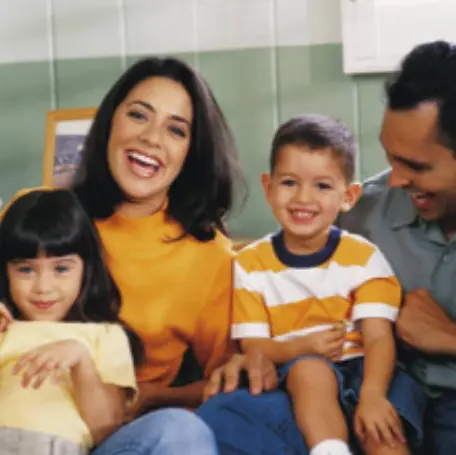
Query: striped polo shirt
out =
(280, 295)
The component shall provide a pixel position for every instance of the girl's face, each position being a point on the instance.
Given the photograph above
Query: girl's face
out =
(149, 141)
(45, 288)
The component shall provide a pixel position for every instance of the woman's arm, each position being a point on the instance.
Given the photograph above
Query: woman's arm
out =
(155, 396)
(101, 406)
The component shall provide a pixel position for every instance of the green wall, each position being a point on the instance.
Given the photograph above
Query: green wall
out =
(257, 88)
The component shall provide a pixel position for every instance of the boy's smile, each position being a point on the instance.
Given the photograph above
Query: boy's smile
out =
(306, 191)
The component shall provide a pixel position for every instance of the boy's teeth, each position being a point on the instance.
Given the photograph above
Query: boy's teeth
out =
(300, 214)
(148, 160)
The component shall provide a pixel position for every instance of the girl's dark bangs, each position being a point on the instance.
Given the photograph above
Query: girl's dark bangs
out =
(33, 237)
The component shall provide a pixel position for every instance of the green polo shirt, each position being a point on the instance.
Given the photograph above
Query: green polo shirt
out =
(420, 255)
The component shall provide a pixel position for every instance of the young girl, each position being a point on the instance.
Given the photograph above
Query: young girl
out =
(66, 366)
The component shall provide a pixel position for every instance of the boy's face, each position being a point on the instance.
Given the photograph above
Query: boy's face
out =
(306, 192)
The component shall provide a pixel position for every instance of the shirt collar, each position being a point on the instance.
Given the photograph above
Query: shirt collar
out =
(400, 211)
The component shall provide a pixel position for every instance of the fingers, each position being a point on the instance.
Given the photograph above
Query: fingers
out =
(395, 424)
(5, 318)
(36, 368)
(213, 386)
(231, 373)
(254, 366)
(360, 429)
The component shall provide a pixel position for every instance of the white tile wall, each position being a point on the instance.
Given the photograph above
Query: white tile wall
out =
(160, 26)
(24, 30)
(36, 30)
(304, 22)
(235, 24)
(87, 28)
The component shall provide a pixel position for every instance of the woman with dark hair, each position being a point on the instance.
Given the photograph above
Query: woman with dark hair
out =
(157, 178)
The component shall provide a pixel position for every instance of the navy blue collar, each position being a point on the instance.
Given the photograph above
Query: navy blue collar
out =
(306, 260)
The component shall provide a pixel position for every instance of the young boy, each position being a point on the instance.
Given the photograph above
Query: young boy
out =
(321, 302)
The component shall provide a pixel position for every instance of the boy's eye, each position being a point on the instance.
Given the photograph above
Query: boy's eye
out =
(177, 131)
(136, 115)
(324, 186)
(288, 182)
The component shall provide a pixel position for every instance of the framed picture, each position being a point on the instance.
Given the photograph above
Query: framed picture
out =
(66, 130)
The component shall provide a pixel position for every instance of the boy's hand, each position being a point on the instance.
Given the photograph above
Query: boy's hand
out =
(50, 361)
(327, 343)
(5, 318)
(376, 417)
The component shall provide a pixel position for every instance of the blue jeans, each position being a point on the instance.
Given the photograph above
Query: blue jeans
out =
(265, 425)
(164, 432)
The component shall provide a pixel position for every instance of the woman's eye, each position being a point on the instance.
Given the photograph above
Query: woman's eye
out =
(136, 115)
(61, 268)
(177, 131)
(25, 269)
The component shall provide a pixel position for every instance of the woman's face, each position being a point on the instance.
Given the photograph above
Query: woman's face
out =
(150, 138)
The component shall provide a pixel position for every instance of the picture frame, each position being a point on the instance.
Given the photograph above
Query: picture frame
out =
(66, 130)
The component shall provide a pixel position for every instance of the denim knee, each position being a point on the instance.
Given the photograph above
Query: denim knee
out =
(165, 432)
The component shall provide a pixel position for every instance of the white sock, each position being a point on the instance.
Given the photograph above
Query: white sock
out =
(331, 447)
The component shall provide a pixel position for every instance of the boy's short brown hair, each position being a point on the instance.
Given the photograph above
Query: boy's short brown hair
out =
(317, 132)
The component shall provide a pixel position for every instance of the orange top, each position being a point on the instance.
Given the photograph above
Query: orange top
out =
(175, 295)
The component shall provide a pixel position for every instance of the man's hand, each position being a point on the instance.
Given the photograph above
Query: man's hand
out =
(423, 324)
(260, 371)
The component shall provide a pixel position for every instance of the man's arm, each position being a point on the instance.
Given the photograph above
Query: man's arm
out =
(423, 325)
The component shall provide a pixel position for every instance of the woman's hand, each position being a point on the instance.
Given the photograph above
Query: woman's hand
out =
(50, 361)
(260, 371)
(5, 318)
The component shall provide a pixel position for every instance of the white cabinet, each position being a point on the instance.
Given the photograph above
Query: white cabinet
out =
(376, 34)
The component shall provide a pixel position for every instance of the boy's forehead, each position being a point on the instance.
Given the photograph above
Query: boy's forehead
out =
(302, 158)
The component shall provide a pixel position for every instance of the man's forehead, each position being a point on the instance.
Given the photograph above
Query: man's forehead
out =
(415, 127)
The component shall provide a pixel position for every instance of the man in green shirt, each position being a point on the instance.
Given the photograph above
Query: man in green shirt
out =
(409, 212)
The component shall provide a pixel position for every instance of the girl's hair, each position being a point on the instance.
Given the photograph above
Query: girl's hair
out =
(202, 195)
(53, 222)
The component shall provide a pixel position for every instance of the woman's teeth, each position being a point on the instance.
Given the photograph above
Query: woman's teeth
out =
(144, 160)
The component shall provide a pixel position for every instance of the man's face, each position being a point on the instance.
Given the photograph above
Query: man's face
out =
(420, 165)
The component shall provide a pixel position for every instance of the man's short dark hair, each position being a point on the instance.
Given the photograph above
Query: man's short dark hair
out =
(426, 74)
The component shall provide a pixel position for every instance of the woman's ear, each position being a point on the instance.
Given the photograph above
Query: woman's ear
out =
(352, 194)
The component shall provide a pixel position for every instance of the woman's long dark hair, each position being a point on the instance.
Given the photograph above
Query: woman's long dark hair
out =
(203, 193)
(54, 223)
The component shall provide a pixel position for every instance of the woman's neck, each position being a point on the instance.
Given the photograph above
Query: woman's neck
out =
(141, 209)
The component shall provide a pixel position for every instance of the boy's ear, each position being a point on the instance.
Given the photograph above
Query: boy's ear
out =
(352, 195)
(266, 184)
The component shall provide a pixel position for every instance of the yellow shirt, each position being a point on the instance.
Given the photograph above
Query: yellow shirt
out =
(52, 409)
(175, 294)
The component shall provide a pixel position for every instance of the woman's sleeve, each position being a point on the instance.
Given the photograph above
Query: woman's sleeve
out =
(212, 345)
(114, 360)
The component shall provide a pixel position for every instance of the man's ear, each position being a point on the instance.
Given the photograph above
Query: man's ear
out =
(266, 184)
(352, 195)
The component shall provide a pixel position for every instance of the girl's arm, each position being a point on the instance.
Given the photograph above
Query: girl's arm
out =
(102, 406)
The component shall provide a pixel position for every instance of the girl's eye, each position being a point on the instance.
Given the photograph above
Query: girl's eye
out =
(288, 182)
(177, 131)
(136, 115)
(324, 186)
(61, 268)
(25, 269)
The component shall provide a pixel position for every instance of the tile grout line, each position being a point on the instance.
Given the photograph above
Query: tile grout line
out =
(52, 54)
